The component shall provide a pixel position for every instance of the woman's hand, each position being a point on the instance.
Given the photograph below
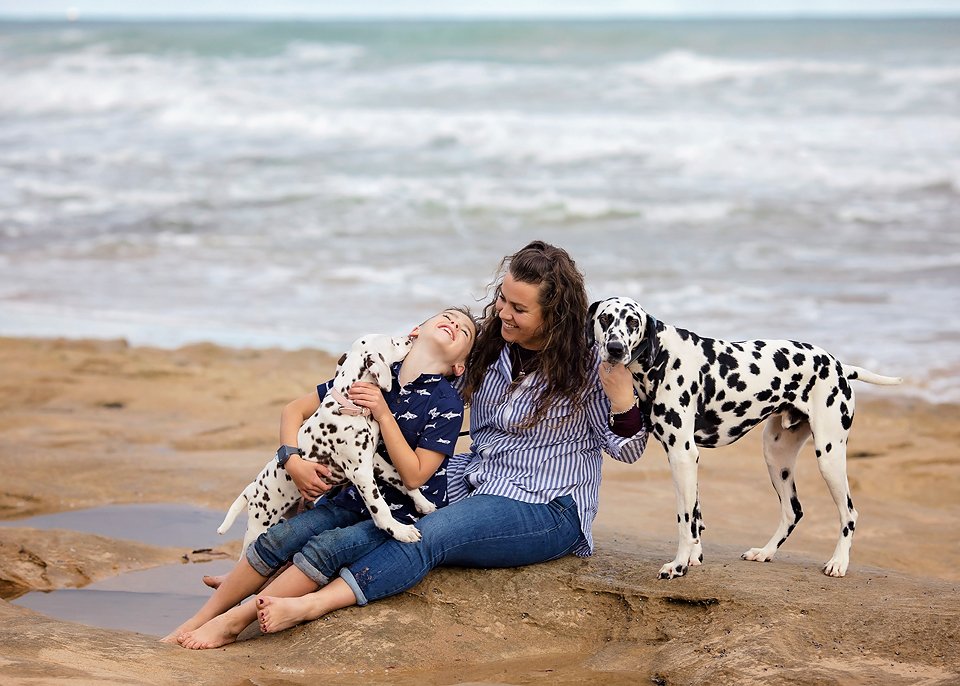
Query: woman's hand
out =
(308, 477)
(369, 395)
(617, 382)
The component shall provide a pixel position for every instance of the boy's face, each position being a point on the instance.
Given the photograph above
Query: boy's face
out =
(454, 332)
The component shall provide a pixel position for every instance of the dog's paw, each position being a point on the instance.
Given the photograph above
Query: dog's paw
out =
(758, 555)
(696, 557)
(672, 570)
(835, 567)
(425, 507)
(405, 533)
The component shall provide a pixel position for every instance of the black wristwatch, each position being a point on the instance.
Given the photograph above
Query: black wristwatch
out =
(284, 452)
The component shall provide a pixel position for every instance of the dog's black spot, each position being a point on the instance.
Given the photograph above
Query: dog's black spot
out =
(676, 364)
(785, 474)
(846, 531)
(818, 452)
(795, 504)
(373, 509)
(849, 503)
(780, 359)
(725, 359)
(686, 516)
(686, 446)
(805, 395)
(754, 369)
(799, 359)
(728, 406)
(672, 417)
(851, 525)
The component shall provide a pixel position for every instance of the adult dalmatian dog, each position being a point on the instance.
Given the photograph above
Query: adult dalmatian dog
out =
(342, 436)
(704, 393)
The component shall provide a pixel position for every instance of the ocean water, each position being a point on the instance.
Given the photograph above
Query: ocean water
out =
(300, 184)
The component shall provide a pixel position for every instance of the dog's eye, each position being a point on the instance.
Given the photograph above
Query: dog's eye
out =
(605, 320)
(632, 324)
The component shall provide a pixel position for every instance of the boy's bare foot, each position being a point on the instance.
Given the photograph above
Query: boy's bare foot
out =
(174, 636)
(214, 581)
(219, 631)
(277, 614)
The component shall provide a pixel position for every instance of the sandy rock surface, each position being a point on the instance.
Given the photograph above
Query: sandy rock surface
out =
(106, 423)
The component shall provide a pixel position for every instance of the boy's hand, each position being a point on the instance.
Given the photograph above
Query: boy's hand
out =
(308, 477)
(369, 395)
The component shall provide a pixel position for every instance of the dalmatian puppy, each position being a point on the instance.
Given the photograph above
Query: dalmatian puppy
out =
(343, 437)
(704, 393)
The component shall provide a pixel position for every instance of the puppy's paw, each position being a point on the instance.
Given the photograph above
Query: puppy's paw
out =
(424, 506)
(405, 533)
(672, 570)
(758, 555)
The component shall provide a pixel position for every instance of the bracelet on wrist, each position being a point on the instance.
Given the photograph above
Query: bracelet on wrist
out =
(614, 415)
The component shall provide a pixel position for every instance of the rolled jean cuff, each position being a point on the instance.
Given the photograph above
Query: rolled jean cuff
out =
(303, 564)
(259, 566)
(347, 576)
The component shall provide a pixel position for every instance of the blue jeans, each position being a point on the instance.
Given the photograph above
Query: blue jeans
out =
(319, 541)
(479, 531)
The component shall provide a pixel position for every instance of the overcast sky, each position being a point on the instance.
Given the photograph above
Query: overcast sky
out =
(469, 8)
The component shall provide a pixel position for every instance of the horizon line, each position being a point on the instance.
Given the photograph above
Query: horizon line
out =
(64, 17)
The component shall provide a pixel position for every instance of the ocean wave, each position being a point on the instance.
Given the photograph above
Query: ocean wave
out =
(312, 53)
(687, 68)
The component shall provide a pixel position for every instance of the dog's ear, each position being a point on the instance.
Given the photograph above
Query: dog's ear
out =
(591, 338)
(646, 352)
(380, 370)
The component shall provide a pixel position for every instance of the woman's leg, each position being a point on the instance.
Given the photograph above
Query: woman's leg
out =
(480, 531)
(276, 614)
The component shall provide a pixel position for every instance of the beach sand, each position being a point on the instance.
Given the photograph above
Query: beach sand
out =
(89, 423)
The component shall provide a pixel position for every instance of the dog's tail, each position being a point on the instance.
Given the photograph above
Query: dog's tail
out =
(861, 374)
(238, 506)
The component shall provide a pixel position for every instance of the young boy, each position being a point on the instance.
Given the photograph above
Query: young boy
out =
(420, 420)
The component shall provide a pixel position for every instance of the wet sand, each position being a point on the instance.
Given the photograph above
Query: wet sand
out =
(85, 424)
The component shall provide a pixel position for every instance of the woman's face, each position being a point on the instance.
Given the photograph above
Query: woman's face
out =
(521, 319)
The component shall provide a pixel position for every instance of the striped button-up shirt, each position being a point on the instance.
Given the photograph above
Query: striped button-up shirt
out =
(560, 455)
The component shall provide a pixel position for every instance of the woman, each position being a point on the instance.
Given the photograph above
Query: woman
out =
(542, 411)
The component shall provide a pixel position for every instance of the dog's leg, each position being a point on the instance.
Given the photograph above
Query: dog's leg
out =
(387, 472)
(683, 466)
(362, 478)
(830, 439)
(780, 449)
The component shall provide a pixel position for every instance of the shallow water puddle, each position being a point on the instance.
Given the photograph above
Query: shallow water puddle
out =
(150, 601)
(183, 526)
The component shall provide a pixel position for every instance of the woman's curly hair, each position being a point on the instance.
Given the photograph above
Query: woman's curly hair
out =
(564, 359)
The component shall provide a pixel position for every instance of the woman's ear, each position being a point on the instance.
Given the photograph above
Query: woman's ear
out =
(415, 332)
(459, 368)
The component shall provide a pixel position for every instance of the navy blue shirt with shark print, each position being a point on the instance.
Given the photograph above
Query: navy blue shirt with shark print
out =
(429, 412)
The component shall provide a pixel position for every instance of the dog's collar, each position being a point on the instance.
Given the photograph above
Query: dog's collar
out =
(347, 406)
(648, 345)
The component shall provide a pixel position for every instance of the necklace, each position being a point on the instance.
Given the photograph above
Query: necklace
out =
(524, 361)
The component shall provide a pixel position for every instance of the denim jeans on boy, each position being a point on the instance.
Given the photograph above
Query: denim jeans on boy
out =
(307, 538)
(479, 531)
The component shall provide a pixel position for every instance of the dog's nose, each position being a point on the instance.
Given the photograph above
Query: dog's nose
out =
(615, 349)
